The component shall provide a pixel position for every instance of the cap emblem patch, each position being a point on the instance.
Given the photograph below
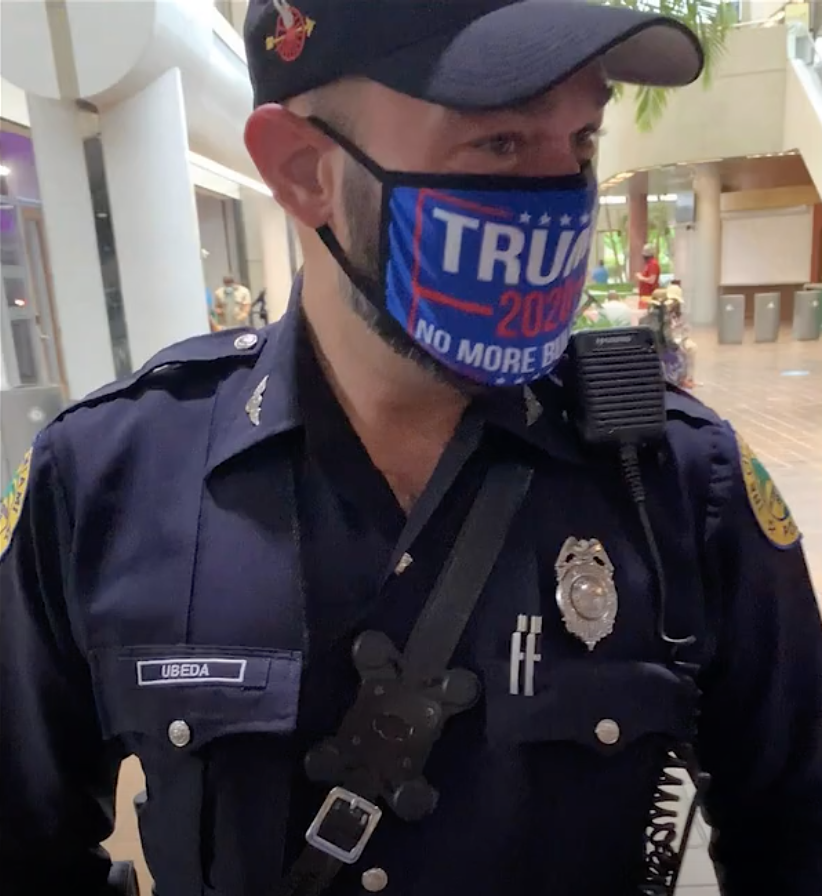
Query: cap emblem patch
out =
(292, 30)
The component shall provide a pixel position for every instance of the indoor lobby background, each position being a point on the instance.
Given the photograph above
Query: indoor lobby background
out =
(126, 195)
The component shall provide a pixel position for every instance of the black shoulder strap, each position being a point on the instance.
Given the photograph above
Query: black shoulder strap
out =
(445, 615)
(347, 818)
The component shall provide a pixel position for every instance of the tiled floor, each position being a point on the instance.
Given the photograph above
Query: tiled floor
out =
(773, 395)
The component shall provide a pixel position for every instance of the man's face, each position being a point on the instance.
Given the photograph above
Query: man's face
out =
(317, 182)
(552, 135)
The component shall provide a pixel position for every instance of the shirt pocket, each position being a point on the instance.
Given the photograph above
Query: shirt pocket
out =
(179, 708)
(605, 708)
(586, 753)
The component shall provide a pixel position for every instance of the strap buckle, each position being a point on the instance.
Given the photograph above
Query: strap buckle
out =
(344, 825)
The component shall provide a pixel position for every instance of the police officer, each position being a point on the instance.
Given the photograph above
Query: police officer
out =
(189, 555)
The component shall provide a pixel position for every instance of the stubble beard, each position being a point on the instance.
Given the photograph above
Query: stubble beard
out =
(362, 208)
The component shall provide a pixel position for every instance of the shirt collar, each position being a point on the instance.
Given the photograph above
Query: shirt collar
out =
(265, 403)
(537, 415)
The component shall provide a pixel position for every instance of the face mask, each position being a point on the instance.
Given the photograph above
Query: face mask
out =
(483, 273)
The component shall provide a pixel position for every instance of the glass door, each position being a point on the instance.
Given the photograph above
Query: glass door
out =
(30, 335)
(48, 327)
(25, 362)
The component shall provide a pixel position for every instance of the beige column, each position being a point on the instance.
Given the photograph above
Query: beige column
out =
(707, 246)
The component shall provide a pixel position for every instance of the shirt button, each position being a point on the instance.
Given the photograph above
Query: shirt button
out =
(179, 733)
(246, 341)
(607, 732)
(375, 880)
(405, 561)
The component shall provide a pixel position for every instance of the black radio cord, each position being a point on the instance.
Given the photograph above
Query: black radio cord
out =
(663, 859)
(632, 474)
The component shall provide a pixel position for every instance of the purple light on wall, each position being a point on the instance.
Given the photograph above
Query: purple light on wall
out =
(8, 222)
(17, 154)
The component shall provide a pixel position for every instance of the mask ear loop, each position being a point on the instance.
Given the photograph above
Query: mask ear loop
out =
(364, 284)
(350, 147)
(368, 287)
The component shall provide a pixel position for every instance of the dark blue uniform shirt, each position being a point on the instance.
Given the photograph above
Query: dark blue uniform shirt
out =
(161, 596)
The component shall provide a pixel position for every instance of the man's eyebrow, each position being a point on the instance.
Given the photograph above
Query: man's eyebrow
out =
(542, 104)
(544, 101)
(606, 94)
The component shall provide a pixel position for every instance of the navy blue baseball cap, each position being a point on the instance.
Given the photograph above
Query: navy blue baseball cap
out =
(464, 54)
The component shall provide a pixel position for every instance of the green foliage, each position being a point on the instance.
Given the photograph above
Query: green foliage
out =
(710, 19)
(583, 322)
(601, 293)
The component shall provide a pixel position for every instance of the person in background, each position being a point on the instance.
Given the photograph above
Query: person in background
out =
(600, 274)
(648, 278)
(232, 305)
(616, 311)
(682, 332)
(259, 311)
(210, 310)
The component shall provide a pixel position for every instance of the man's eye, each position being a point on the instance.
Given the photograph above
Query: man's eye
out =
(501, 145)
(587, 138)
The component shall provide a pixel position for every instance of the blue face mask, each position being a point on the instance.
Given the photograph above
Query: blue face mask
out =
(482, 273)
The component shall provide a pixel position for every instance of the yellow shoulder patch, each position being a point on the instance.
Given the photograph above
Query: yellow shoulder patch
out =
(11, 504)
(766, 502)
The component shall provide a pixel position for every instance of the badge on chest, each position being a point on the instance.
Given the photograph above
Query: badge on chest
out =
(586, 595)
(587, 599)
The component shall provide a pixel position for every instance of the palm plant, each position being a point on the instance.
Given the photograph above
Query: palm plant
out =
(710, 19)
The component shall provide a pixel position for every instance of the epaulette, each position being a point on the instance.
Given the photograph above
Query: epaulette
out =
(243, 344)
(681, 405)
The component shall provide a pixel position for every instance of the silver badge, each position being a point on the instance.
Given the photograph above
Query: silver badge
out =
(253, 405)
(586, 595)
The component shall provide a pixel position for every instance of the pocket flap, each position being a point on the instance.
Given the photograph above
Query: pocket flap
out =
(605, 706)
(215, 691)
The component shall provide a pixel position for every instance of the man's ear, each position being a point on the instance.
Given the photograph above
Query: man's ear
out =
(288, 153)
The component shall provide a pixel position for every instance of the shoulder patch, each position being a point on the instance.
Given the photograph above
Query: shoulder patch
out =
(766, 502)
(11, 504)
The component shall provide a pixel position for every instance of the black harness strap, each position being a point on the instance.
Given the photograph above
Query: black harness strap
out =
(404, 699)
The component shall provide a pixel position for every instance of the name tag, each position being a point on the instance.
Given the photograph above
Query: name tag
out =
(190, 671)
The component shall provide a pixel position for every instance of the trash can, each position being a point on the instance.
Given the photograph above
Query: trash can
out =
(766, 316)
(731, 319)
(807, 314)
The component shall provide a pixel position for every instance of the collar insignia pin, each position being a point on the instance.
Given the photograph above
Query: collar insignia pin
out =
(253, 405)
(533, 408)
(586, 594)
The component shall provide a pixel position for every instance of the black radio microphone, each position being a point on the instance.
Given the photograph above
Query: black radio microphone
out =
(616, 386)
(617, 392)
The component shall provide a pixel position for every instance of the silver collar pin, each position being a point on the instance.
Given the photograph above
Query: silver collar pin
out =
(255, 403)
